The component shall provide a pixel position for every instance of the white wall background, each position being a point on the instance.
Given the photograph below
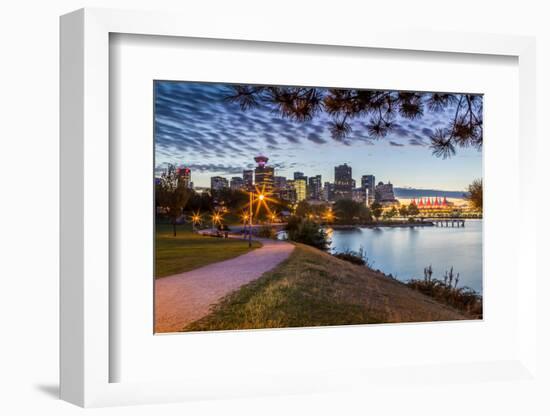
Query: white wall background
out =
(29, 205)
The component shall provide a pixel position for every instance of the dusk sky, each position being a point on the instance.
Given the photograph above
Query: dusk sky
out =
(197, 128)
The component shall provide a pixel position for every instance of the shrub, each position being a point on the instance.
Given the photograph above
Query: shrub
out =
(447, 291)
(292, 223)
(355, 257)
(267, 231)
(308, 232)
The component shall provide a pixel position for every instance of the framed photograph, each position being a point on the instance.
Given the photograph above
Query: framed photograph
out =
(277, 213)
(307, 236)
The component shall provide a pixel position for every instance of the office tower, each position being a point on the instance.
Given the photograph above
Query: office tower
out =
(263, 174)
(236, 183)
(368, 184)
(218, 183)
(315, 187)
(184, 175)
(343, 182)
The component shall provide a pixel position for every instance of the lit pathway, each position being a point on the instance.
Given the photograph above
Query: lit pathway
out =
(185, 297)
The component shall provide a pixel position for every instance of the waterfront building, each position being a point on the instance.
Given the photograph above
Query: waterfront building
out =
(431, 203)
(236, 183)
(368, 184)
(315, 188)
(218, 183)
(384, 193)
(343, 182)
(263, 174)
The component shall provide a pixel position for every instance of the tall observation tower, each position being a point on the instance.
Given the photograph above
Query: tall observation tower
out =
(263, 174)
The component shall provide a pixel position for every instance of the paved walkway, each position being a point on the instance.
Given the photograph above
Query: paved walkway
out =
(185, 297)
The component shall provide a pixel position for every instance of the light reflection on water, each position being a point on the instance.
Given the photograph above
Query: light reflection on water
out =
(404, 252)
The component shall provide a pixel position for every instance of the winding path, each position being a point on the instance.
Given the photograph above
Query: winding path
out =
(185, 297)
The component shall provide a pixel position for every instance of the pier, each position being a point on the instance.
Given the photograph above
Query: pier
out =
(446, 222)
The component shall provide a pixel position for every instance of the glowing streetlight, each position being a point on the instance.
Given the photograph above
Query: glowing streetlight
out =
(262, 198)
(216, 219)
(329, 216)
(244, 217)
(196, 219)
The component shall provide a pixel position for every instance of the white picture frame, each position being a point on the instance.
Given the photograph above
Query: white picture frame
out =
(85, 212)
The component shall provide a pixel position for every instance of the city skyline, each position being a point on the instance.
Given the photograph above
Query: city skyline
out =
(195, 127)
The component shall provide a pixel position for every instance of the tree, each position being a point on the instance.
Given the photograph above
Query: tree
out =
(403, 211)
(380, 109)
(200, 202)
(346, 210)
(171, 194)
(413, 210)
(475, 194)
(392, 212)
(308, 232)
(364, 214)
(303, 209)
(376, 209)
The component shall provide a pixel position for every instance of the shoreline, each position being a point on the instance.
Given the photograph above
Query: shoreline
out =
(381, 225)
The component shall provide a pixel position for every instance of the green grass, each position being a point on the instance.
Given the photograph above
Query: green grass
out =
(188, 250)
(313, 288)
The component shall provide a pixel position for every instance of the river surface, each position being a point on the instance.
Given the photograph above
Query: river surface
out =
(404, 252)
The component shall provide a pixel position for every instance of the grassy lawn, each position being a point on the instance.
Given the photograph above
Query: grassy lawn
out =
(188, 251)
(313, 288)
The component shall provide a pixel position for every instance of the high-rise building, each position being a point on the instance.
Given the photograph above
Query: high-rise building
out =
(288, 192)
(384, 193)
(300, 175)
(328, 192)
(368, 184)
(300, 189)
(279, 182)
(218, 183)
(359, 195)
(315, 187)
(343, 182)
(184, 175)
(263, 174)
(248, 178)
(236, 183)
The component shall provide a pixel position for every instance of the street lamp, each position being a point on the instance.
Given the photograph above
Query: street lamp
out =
(329, 216)
(261, 197)
(195, 219)
(216, 219)
(250, 222)
(244, 217)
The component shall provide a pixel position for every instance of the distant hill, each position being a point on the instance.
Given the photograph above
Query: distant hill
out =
(421, 193)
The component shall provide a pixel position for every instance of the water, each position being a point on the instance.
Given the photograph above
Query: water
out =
(404, 252)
